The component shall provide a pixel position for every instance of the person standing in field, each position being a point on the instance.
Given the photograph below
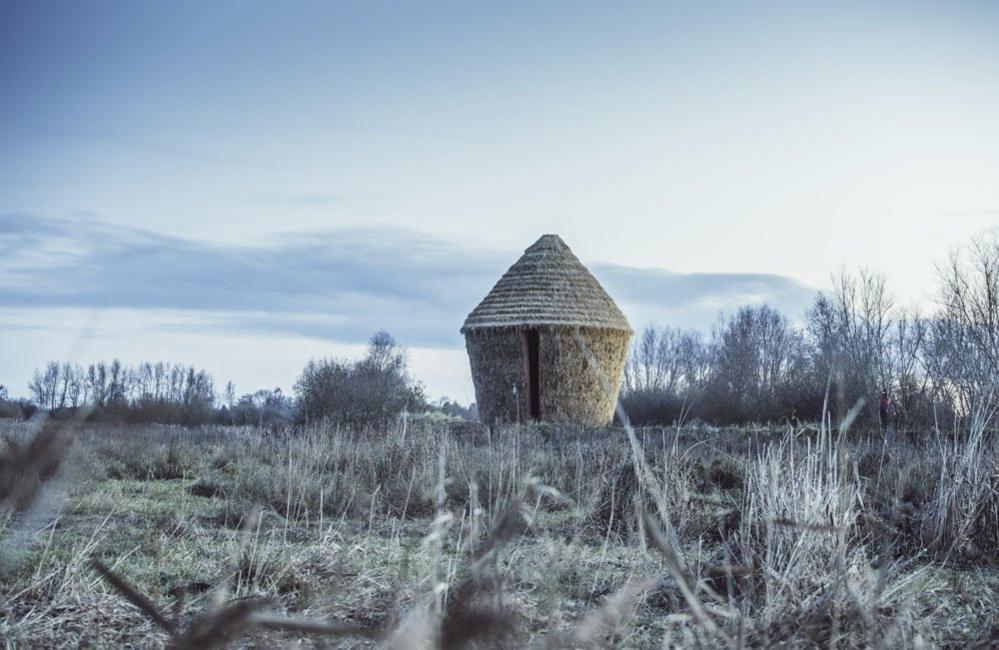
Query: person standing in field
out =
(884, 408)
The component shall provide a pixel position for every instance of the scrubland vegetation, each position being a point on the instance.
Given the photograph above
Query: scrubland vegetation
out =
(426, 533)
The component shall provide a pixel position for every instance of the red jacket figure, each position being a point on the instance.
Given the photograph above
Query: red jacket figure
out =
(884, 408)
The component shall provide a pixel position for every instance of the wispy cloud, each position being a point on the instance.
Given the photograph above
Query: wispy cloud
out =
(338, 285)
(694, 300)
(145, 145)
(320, 199)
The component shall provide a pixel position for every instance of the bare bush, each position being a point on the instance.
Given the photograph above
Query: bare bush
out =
(370, 392)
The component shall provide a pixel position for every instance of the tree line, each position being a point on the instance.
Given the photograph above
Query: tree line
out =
(146, 392)
(853, 342)
(371, 391)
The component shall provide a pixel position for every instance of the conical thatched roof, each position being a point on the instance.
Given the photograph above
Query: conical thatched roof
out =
(547, 286)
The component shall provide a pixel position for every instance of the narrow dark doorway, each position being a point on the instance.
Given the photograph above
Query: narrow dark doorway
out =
(533, 374)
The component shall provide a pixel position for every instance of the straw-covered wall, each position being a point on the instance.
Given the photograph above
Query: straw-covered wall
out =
(570, 390)
(499, 374)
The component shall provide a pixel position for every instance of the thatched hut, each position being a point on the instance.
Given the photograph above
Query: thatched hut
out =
(547, 343)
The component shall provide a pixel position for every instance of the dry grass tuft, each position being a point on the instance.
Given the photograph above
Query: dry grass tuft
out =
(26, 467)
(219, 626)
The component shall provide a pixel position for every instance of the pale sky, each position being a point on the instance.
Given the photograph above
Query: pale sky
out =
(245, 185)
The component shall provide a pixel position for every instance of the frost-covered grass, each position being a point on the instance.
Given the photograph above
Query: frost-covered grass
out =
(543, 536)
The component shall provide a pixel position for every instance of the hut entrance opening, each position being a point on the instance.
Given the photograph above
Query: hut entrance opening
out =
(533, 373)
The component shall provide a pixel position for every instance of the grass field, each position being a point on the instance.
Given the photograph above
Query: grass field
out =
(433, 533)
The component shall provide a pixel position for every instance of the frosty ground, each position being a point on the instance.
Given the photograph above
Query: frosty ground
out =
(440, 532)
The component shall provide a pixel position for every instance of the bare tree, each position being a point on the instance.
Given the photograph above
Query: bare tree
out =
(664, 375)
(866, 343)
(44, 386)
(756, 355)
(665, 359)
(964, 357)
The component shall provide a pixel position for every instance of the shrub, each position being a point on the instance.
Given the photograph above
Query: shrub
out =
(371, 392)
